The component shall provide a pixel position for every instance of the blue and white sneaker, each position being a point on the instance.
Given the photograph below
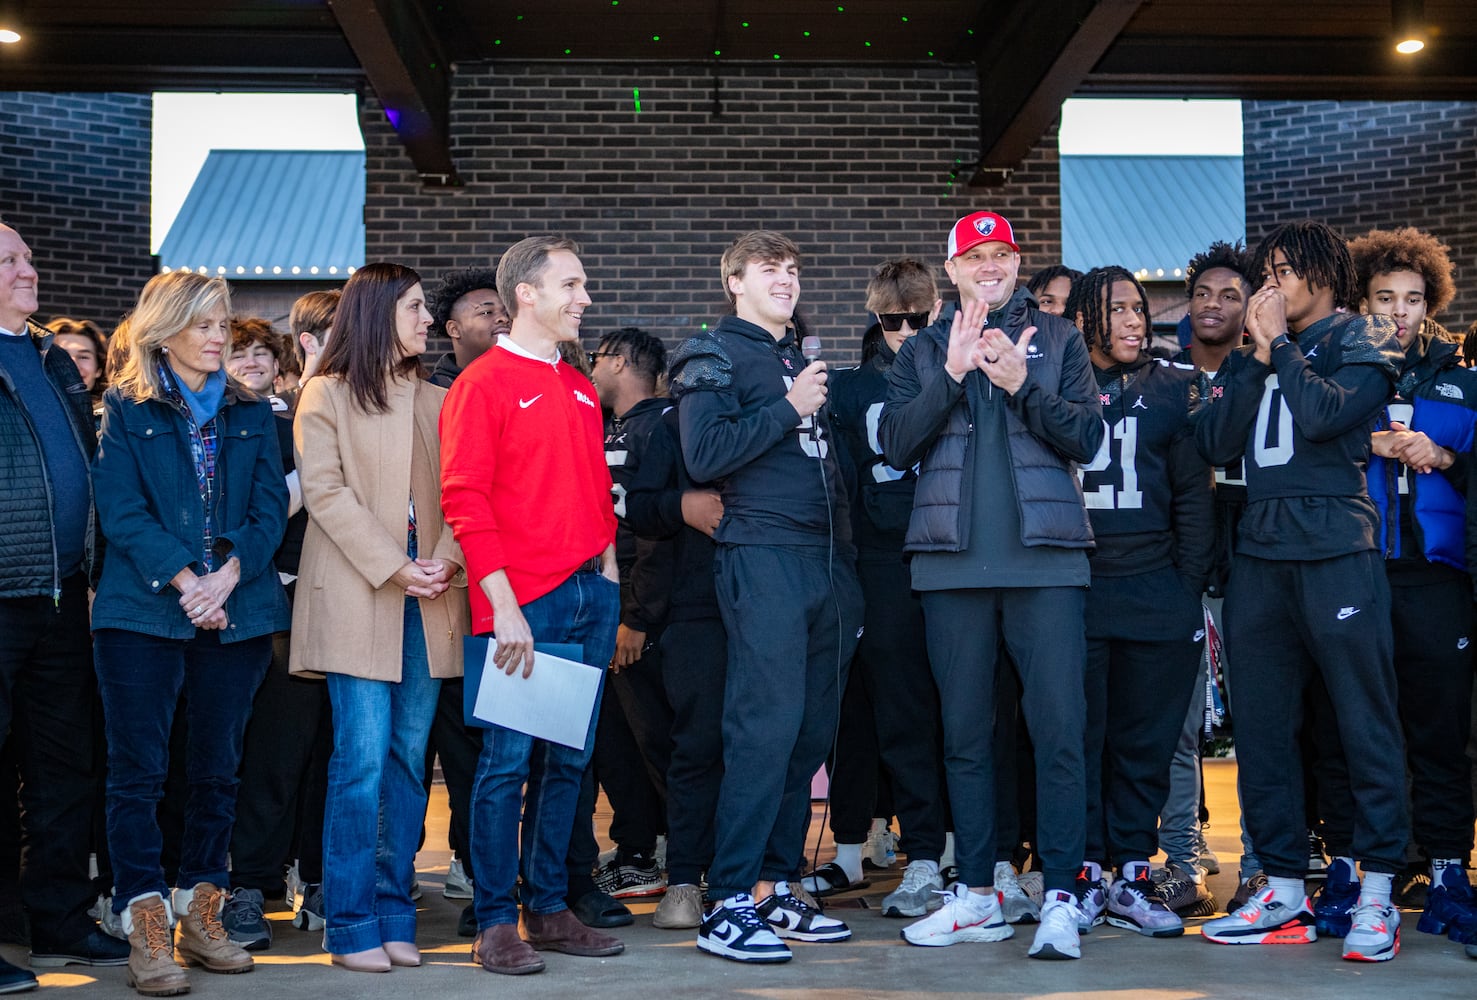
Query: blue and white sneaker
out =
(789, 916)
(1263, 920)
(1333, 905)
(736, 931)
(1451, 906)
(1135, 905)
(1057, 937)
(1374, 933)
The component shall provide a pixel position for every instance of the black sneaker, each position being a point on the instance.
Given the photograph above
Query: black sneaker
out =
(1182, 892)
(96, 949)
(633, 877)
(307, 907)
(735, 930)
(244, 921)
(1245, 890)
(466, 924)
(14, 979)
(1413, 886)
(792, 917)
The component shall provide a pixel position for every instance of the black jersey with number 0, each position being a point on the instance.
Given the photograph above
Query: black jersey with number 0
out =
(1302, 425)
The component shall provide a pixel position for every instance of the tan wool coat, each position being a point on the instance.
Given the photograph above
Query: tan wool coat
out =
(359, 471)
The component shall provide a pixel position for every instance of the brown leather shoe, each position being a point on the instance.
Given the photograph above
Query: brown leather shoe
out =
(562, 931)
(202, 937)
(152, 969)
(499, 949)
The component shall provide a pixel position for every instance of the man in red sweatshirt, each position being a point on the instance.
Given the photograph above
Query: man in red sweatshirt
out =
(526, 489)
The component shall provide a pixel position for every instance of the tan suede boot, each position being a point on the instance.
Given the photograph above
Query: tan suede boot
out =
(202, 936)
(152, 969)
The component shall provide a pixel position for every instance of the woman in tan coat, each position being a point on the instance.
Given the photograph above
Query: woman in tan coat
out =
(381, 604)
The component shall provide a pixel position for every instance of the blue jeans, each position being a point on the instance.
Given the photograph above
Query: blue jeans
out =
(140, 678)
(584, 609)
(376, 799)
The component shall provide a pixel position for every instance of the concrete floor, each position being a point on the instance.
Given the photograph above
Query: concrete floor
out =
(875, 963)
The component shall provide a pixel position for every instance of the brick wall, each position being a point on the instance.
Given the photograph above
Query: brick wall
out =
(74, 181)
(852, 163)
(1360, 165)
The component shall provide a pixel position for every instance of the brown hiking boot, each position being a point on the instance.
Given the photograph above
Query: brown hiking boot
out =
(202, 936)
(152, 969)
(562, 931)
(499, 949)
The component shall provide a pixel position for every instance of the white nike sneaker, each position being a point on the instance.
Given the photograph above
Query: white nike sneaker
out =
(964, 917)
(1057, 936)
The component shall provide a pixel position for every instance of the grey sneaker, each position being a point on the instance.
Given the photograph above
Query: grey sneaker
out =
(1134, 905)
(917, 894)
(1183, 889)
(1018, 907)
(244, 921)
(458, 883)
(680, 909)
(307, 908)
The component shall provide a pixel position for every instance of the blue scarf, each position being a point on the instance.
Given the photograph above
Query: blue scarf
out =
(206, 403)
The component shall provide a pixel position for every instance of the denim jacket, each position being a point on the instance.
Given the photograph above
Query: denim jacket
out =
(151, 513)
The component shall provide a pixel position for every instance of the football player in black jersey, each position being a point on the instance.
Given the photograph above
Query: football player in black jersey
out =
(891, 703)
(1148, 495)
(631, 739)
(1310, 595)
(786, 582)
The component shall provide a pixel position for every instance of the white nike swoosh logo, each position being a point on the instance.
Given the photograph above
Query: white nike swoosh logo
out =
(1347, 613)
(526, 403)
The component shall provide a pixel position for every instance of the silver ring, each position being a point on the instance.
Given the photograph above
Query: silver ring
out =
(199, 608)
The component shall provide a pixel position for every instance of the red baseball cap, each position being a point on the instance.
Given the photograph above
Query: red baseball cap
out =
(980, 227)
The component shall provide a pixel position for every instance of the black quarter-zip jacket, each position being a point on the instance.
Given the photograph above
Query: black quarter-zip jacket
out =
(780, 480)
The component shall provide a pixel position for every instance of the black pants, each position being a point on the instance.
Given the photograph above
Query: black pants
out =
(1015, 769)
(47, 696)
(792, 616)
(1043, 630)
(638, 812)
(1145, 635)
(284, 778)
(890, 714)
(1435, 638)
(1286, 621)
(458, 745)
(694, 673)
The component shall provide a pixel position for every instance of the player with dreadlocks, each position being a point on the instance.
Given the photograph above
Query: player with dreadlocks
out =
(1051, 286)
(1418, 479)
(1310, 598)
(1148, 496)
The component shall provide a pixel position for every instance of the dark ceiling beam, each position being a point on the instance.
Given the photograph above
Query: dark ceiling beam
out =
(410, 76)
(142, 59)
(1034, 57)
(1279, 69)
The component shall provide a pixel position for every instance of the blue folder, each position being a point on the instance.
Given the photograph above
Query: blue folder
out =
(474, 657)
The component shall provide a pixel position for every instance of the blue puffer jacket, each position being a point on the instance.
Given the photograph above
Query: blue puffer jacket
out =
(1437, 397)
(151, 513)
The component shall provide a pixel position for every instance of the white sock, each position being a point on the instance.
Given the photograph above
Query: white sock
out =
(946, 859)
(1376, 888)
(1439, 866)
(1132, 868)
(1288, 891)
(849, 857)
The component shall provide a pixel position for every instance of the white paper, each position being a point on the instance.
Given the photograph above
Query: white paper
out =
(553, 703)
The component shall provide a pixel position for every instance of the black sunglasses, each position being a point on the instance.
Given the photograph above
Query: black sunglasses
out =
(893, 322)
(597, 355)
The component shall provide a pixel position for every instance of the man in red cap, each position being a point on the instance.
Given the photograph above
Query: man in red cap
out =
(995, 402)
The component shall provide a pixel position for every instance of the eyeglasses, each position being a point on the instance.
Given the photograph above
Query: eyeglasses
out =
(597, 355)
(893, 322)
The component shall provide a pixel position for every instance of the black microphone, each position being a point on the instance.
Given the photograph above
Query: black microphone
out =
(810, 346)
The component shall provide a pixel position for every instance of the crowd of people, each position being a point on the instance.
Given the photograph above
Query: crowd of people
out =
(1002, 579)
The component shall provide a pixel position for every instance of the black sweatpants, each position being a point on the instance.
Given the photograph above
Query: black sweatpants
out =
(694, 673)
(1042, 627)
(891, 697)
(638, 812)
(1015, 769)
(792, 614)
(1287, 620)
(1434, 645)
(284, 755)
(1145, 636)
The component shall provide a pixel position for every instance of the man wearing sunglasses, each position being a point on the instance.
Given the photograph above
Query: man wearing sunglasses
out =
(890, 708)
(996, 404)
